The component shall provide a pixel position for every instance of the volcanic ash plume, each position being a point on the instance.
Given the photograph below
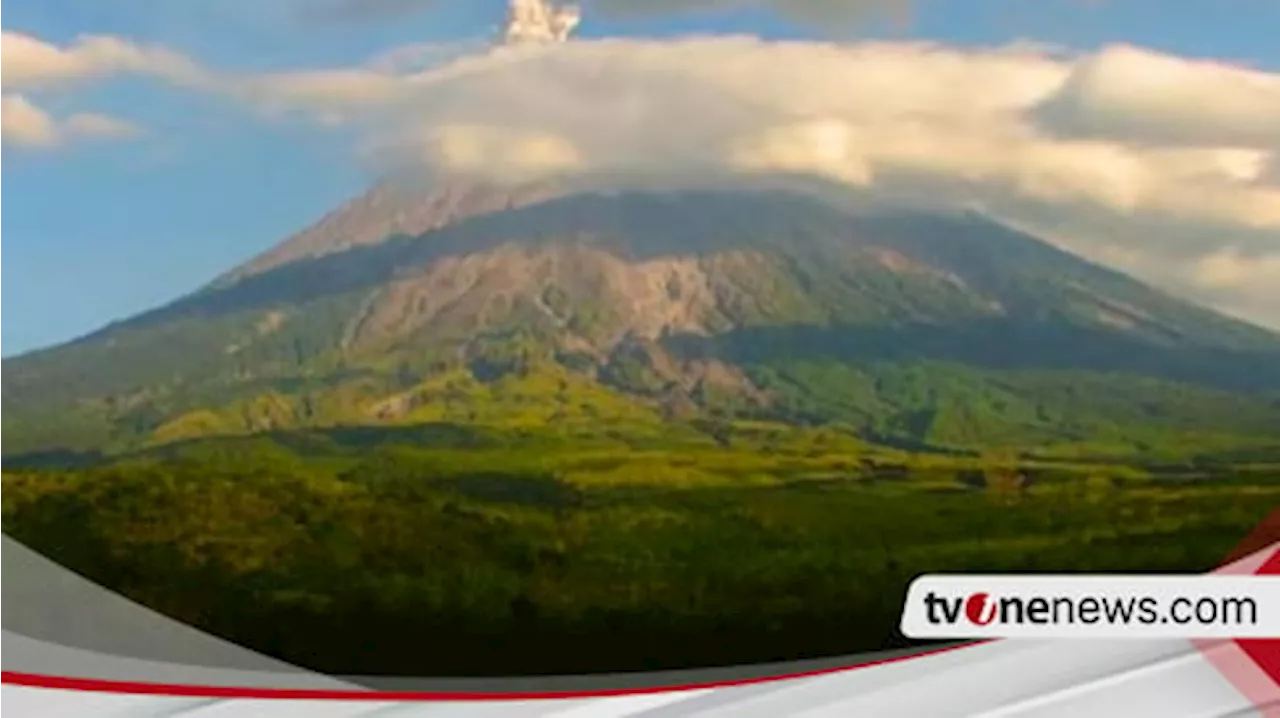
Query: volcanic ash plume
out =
(538, 21)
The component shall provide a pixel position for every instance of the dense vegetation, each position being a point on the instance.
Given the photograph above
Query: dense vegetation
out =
(922, 404)
(508, 554)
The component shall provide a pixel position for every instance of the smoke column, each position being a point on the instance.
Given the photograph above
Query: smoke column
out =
(539, 21)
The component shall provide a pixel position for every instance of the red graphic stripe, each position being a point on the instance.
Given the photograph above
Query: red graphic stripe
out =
(34, 680)
(1266, 651)
(1252, 665)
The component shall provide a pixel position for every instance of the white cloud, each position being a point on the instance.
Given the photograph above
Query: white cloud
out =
(1147, 97)
(421, 56)
(330, 96)
(475, 149)
(27, 63)
(29, 66)
(26, 125)
(631, 105)
(872, 113)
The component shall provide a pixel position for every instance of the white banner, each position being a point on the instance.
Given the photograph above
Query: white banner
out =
(1092, 606)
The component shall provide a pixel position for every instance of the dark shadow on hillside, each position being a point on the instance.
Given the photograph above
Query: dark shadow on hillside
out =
(438, 435)
(53, 459)
(1003, 344)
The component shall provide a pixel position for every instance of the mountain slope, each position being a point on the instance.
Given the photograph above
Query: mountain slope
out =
(388, 209)
(925, 330)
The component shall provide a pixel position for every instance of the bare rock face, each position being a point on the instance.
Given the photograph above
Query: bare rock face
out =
(589, 297)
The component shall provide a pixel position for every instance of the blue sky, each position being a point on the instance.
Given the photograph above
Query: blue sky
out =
(99, 231)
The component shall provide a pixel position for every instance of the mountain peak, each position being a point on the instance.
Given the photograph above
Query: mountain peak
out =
(390, 208)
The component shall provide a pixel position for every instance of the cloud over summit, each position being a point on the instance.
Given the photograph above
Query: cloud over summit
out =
(1079, 146)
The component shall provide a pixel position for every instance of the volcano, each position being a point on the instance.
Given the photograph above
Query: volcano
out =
(583, 311)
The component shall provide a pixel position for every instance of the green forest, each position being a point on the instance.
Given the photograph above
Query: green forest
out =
(441, 550)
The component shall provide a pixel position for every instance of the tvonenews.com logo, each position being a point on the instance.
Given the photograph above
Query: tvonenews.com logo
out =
(983, 609)
(1092, 606)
